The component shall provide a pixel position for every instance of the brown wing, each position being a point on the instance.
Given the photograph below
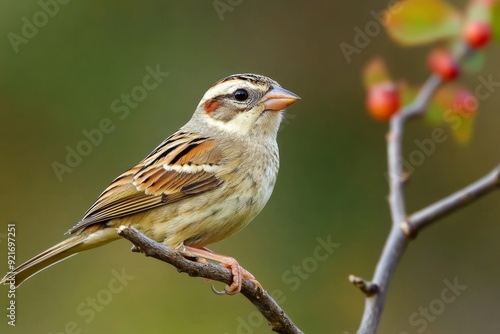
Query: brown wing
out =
(183, 165)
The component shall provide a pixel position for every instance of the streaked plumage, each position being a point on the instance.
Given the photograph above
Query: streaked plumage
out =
(202, 184)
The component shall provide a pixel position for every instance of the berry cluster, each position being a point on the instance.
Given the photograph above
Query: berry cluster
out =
(384, 100)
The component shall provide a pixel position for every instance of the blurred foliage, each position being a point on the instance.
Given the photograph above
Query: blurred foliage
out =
(332, 180)
(422, 21)
(375, 72)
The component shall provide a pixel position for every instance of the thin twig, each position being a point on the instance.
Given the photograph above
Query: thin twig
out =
(397, 240)
(277, 318)
(422, 218)
(419, 105)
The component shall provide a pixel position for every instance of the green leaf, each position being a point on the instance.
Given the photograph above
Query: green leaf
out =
(475, 62)
(434, 114)
(441, 102)
(456, 107)
(375, 72)
(452, 106)
(465, 106)
(408, 93)
(462, 132)
(422, 22)
(478, 11)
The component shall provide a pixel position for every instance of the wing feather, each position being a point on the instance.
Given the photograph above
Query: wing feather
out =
(182, 166)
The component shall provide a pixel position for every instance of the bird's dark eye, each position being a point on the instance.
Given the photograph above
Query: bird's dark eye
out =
(241, 95)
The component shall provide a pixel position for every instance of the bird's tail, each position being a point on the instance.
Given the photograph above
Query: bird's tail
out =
(55, 254)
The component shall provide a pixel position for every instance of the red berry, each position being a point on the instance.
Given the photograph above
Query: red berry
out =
(443, 64)
(477, 34)
(383, 101)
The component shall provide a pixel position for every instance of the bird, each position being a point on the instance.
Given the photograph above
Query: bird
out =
(201, 185)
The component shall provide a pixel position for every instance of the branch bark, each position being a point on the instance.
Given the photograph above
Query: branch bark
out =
(403, 228)
(279, 321)
(396, 242)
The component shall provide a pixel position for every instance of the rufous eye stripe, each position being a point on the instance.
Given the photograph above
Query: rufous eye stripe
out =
(211, 105)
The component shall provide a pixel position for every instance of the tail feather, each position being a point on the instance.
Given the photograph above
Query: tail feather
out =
(51, 256)
(91, 237)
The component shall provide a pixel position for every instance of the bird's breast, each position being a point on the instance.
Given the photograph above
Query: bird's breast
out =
(215, 215)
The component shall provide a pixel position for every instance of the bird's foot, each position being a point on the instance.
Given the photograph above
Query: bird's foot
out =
(238, 272)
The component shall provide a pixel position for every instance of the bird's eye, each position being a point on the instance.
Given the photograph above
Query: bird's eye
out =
(241, 95)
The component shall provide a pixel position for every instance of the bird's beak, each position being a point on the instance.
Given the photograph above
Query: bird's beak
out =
(278, 98)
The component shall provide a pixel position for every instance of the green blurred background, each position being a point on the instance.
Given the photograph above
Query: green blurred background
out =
(331, 182)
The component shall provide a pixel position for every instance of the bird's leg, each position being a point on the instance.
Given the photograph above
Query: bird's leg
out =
(237, 271)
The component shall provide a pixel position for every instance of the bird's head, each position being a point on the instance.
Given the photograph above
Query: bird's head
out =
(245, 104)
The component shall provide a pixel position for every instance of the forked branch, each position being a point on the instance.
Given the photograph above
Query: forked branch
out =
(405, 228)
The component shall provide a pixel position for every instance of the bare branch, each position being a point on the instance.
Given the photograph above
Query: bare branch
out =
(277, 318)
(419, 105)
(397, 241)
(420, 219)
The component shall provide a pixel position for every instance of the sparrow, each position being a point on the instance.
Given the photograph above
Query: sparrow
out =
(201, 185)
